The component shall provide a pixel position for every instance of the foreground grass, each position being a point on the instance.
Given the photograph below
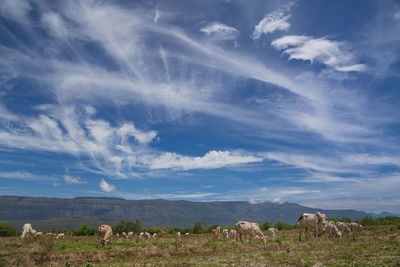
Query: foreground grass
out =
(375, 246)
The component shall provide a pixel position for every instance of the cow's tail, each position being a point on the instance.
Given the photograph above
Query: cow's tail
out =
(301, 217)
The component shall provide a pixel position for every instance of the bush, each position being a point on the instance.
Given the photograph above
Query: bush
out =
(284, 226)
(199, 228)
(7, 230)
(123, 226)
(265, 226)
(84, 230)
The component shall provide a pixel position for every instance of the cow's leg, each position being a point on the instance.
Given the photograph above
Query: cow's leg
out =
(251, 237)
(241, 240)
(301, 228)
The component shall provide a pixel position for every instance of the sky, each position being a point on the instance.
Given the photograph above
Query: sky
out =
(281, 101)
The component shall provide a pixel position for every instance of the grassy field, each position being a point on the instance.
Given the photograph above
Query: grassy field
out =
(374, 246)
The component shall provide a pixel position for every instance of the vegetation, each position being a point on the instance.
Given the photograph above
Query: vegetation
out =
(373, 246)
(84, 230)
(123, 226)
(7, 230)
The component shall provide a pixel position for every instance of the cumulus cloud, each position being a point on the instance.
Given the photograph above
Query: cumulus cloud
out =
(106, 187)
(274, 21)
(322, 50)
(211, 160)
(220, 31)
(73, 180)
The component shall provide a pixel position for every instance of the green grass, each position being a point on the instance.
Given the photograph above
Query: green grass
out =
(374, 246)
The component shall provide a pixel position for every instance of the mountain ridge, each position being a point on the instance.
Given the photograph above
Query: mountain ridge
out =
(158, 212)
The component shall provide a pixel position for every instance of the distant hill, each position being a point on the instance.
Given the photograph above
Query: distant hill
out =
(154, 212)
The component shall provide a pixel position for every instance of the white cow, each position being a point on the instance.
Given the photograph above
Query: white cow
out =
(154, 235)
(249, 228)
(105, 234)
(147, 235)
(218, 230)
(130, 235)
(124, 235)
(355, 227)
(225, 233)
(232, 233)
(60, 236)
(315, 222)
(332, 230)
(343, 227)
(141, 235)
(38, 233)
(26, 231)
(117, 235)
(178, 234)
(187, 234)
(272, 232)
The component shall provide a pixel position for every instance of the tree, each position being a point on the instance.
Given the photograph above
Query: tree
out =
(265, 226)
(84, 230)
(199, 227)
(7, 230)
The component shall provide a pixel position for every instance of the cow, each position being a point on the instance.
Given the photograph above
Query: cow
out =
(154, 235)
(309, 222)
(272, 232)
(225, 233)
(343, 227)
(38, 233)
(130, 235)
(117, 235)
(105, 234)
(355, 227)
(187, 234)
(249, 228)
(141, 235)
(232, 233)
(124, 235)
(60, 236)
(178, 234)
(27, 231)
(147, 235)
(332, 230)
(218, 230)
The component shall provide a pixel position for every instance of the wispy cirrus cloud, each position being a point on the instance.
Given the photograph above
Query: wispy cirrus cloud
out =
(220, 31)
(275, 21)
(322, 50)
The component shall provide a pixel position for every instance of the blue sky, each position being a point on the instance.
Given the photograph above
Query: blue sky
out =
(277, 101)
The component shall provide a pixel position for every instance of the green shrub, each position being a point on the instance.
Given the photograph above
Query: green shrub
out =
(7, 230)
(84, 230)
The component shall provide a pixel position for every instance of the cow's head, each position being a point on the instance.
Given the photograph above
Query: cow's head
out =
(322, 219)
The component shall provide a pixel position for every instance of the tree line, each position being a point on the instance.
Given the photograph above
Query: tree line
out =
(6, 229)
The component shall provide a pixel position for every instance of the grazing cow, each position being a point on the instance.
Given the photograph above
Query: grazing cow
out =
(154, 235)
(117, 235)
(26, 231)
(130, 235)
(147, 235)
(60, 236)
(218, 230)
(232, 233)
(215, 233)
(225, 233)
(342, 227)
(355, 227)
(309, 221)
(141, 235)
(38, 233)
(187, 234)
(249, 228)
(272, 232)
(178, 234)
(124, 235)
(105, 234)
(162, 232)
(332, 230)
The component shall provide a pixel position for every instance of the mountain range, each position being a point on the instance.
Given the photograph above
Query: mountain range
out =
(158, 212)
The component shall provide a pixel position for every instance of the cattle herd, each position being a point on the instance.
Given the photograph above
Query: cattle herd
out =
(317, 224)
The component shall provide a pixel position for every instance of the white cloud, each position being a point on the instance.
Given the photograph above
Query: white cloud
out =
(26, 176)
(211, 160)
(274, 21)
(397, 15)
(55, 24)
(220, 31)
(142, 137)
(330, 53)
(15, 9)
(106, 187)
(68, 179)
